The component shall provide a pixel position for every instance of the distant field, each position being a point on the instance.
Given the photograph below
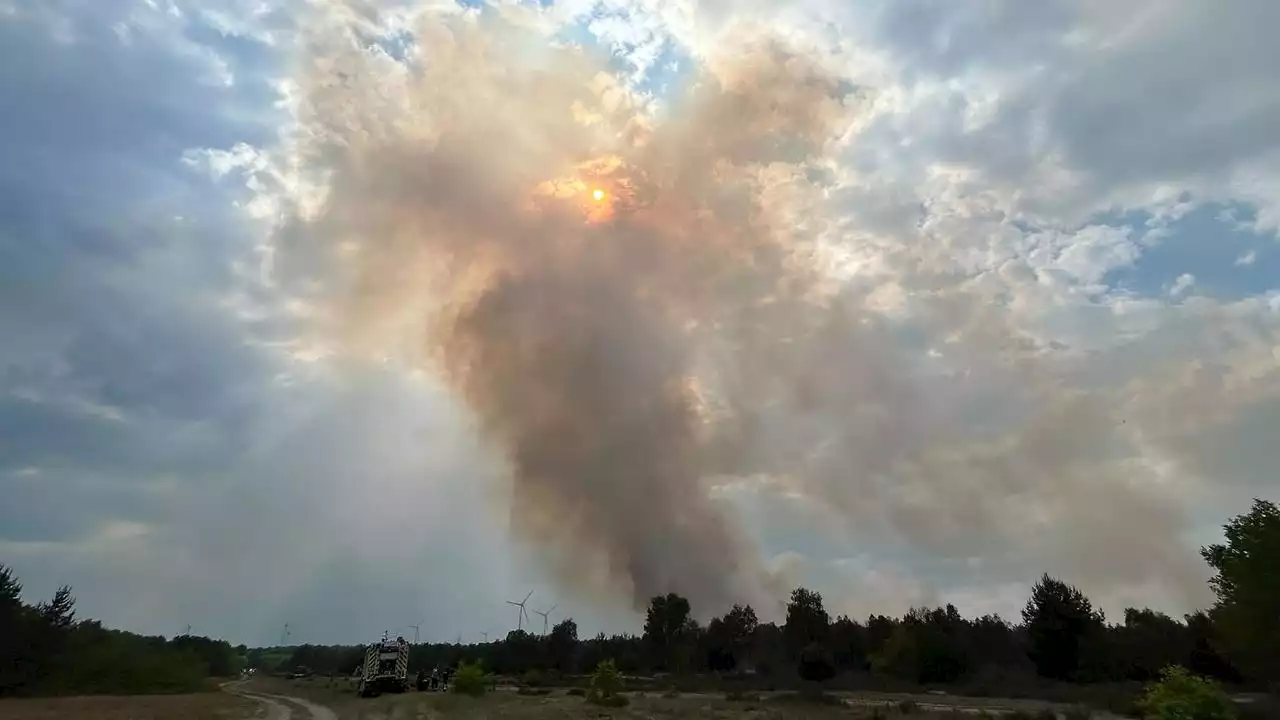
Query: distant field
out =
(509, 706)
(202, 706)
(506, 703)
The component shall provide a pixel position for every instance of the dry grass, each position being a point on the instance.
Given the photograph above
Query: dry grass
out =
(509, 706)
(202, 706)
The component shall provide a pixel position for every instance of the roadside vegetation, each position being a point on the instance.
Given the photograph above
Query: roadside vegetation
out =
(1061, 649)
(47, 651)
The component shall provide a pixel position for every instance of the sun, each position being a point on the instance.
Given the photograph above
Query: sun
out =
(598, 194)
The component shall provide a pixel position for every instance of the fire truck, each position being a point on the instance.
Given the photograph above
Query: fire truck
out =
(385, 668)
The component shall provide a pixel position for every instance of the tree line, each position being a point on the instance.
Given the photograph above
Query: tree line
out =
(1060, 635)
(46, 651)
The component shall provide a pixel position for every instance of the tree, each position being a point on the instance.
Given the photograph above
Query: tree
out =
(1060, 623)
(1148, 642)
(927, 646)
(1247, 586)
(815, 664)
(718, 647)
(769, 649)
(992, 642)
(60, 612)
(519, 653)
(666, 629)
(807, 620)
(727, 640)
(562, 645)
(848, 644)
(879, 630)
(13, 624)
(1206, 658)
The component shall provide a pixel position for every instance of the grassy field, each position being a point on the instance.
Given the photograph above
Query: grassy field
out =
(510, 706)
(655, 705)
(200, 706)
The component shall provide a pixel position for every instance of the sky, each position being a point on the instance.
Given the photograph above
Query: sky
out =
(1053, 342)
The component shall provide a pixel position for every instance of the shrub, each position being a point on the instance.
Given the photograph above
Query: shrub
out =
(533, 691)
(1179, 695)
(606, 686)
(816, 664)
(1078, 712)
(470, 679)
(535, 679)
(908, 707)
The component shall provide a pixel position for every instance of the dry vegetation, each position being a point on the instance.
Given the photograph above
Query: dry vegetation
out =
(199, 706)
(654, 705)
(418, 706)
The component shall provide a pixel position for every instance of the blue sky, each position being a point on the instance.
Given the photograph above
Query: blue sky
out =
(1063, 217)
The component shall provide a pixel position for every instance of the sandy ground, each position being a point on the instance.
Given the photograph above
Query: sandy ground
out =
(431, 706)
(280, 706)
(202, 706)
(652, 706)
(269, 699)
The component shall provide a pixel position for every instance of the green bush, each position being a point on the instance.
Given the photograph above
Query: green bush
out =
(535, 679)
(471, 679)
(1179, 695)
(606, 686)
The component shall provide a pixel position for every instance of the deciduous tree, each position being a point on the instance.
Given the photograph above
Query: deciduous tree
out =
(1247, 582)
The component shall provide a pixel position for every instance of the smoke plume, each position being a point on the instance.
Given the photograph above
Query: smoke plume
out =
(633, 301)
(568, 260)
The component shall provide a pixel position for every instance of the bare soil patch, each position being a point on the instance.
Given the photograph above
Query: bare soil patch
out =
(200, 706)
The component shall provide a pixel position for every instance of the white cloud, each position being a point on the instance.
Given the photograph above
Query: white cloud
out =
(1011, 405)
(1183, 283)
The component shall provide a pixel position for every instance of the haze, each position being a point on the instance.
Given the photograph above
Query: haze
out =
(312, 314)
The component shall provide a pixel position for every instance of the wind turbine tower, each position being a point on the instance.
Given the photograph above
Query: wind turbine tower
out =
(521, 615)
(545, 614)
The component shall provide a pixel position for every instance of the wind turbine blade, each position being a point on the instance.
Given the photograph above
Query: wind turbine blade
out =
(513, 602)
(526, 597)
(553, 609)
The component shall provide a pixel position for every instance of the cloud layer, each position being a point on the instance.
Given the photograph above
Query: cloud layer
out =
(909, 301)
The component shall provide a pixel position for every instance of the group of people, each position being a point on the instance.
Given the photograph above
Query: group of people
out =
(437, 679)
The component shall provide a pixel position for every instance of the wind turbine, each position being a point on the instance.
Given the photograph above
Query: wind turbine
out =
(544, 614)
(415, 632)
(521, 616)
(486, 636)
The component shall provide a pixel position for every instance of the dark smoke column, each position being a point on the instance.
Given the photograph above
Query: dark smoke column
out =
(583, 387)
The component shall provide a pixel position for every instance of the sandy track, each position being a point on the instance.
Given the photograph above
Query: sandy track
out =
(282, 707)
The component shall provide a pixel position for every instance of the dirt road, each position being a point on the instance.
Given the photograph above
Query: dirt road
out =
(282, 707)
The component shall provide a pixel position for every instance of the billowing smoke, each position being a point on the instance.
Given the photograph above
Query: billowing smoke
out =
(570, 261)
(634, 301)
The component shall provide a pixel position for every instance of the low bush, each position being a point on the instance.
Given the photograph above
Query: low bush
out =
(471, 679)
(1179, 695)
(606, 686)
(535, 679)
